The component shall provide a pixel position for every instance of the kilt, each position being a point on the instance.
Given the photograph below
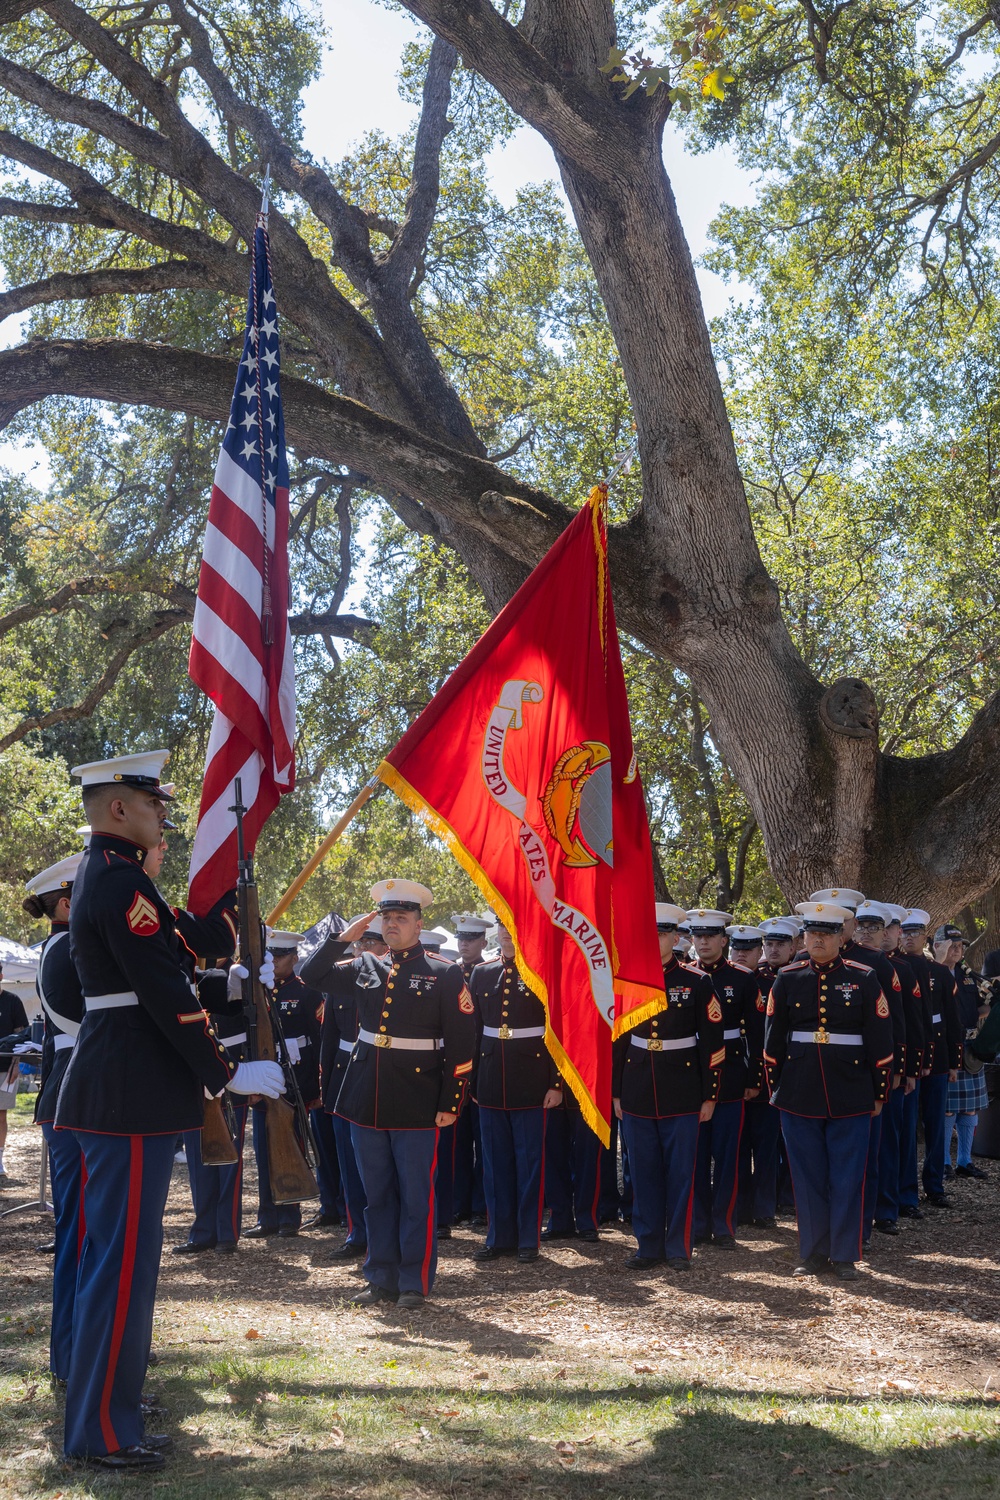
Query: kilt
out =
(967, 1095)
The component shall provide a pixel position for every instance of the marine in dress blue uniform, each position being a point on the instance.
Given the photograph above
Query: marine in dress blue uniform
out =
(460, 1151)
(738, 993)
(666, 1076)
(145, 1054)
(904, 1202)
(407, 1077)
(334, 975)
(757, 1192)
(49, 894)
(516, 1084)
(942, 1049)
(828, 1051)
(298, 1009)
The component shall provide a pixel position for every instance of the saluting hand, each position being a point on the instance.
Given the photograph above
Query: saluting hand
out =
(352, 933)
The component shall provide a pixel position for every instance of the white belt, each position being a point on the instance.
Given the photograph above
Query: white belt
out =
(233, 1041)
(840, 1039)
(402, 1043)
(936, 1020)
(345, 1045)
(663, 1044)
(513, 1033)
(732, 1036)
(63, 1043)
(111, 1002)
(300, 1041)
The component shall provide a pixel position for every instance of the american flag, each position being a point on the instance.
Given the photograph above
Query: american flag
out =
(241, 650)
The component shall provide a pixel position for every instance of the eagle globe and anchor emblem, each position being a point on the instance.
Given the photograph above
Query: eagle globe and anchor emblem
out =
(576, 805)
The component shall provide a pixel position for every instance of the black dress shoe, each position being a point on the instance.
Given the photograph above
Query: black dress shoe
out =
(151, 1408)
(493, 1252)
(639, 1262)
(478, 1221)
(812, 1265)
(886, 1226)
(906, 1212)
(444, 1231)
(589, 1236)
(969, 1171)
(937, 1200)
(50, 1247)
(259, 1232)
(765, 1223)
(370, 1296)
(949, 1172)
(846, 1270)
(286, 1232)
(189, 1249)
(558, 1234)
(228, 1247)
(527, 1255)
(678, 1263)
(347, 1251)
(159, 1442)
(323, 1221)
(126, 1458)
(724, 1241)
(410, 1300)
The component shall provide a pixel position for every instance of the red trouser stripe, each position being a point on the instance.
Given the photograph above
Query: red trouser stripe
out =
(124, 1289)
(541, 1175)
(425, 1269)
(81, 1223)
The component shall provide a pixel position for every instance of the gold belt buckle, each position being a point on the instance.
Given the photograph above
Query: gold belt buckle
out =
(654, 1044)
(822, 1035)
(503, 1032)
(382, 1040)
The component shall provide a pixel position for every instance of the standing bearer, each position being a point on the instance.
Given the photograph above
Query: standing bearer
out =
(757, 1201)
(49, 895)
(942, 1052)
(742, 1004)
(516, 1083)
(866, 947)
(137, 1077)
(459, 1184)
(407, 1079)
(828, 1051)
(665, 1082)
(903, 1201)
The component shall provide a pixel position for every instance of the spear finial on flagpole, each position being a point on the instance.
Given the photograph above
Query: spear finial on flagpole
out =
(266, 194)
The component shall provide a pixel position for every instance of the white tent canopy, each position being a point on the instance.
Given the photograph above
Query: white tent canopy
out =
(20, 965)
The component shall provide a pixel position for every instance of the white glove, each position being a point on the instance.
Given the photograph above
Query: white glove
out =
(266, 971)
(262, 1077)
(234, 983)
(293, 1049)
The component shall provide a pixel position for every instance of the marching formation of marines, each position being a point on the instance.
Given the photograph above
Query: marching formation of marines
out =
(791, 1058)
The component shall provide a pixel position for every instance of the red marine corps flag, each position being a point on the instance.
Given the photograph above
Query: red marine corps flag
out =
(241, 649)
(523, 765)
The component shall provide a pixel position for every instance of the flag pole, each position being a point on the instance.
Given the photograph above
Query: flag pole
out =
(366, 793)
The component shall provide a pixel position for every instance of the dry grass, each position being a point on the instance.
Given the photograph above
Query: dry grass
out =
(565, 1379)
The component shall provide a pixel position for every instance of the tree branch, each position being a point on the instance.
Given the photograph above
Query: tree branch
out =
(425, 182)
(52, 213)
(171, 275)
(79, 588)
(347, 627)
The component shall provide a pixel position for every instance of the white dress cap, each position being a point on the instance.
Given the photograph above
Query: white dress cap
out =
(470, 924)
(703, 919)
(668, 915)
(84, 833)
(781, 927)
(843, 896)
(739, 933)
(916, 917)
(401, 895)
(56, 878)
(283, 942)
(823, 915)
(143, 771)
(874, 911)
(896, 912)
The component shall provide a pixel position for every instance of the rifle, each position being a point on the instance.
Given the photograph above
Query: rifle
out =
(291, 1179)
(218, 1148)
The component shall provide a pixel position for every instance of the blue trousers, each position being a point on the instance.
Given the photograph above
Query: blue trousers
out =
(444, 1179)
(513, 1175)
(270, 1215)
(828, 1158)
(933, 1103)
(717, 1173)
(460, 1169)
(887, 1201)
(128, 1178)
(398, 1169)
(572, 1172)
(757, 1197)
(909, 1182)
(216, 1192)
(355, 1201)
(66, 1173)
(663, 1154)
(331, 1199)
(871, 1177)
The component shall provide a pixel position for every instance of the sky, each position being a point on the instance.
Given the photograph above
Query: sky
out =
(356, 94)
